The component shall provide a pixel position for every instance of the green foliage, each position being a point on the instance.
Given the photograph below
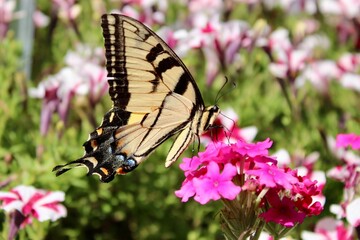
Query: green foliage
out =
(142, 205)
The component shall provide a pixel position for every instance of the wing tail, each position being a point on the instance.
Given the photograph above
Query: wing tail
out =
(60, 169)
(104, 170)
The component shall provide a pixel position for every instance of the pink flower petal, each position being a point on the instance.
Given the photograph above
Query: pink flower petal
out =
(351, 139)
(353, 212)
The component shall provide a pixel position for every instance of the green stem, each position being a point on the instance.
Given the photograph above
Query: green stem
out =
(290, 96)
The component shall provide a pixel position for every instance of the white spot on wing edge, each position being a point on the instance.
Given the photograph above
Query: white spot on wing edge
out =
(92, 160)
(110, 19)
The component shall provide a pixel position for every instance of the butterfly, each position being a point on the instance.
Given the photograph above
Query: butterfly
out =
(154, 98)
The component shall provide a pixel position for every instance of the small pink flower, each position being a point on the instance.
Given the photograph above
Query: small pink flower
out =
(219, 41)
(57, 92)
(215, 184)
(347, 8)
(271, 176)
(187, 190)
(353, 212)
(314, 43)
(190, 164)
(208, 6)
(7, 14)
(346, 155)
(329, 229)
(305, 194)
(350, 81)
(172, 38)
(287, 59)
(148, 12)
(351, 139)
(68, 10)
(319, 74)
(348, 174)
(349, 62)
(253, 149)
(346, 14)
(282, 211)
(304, 166)
(339, 173)
(40, 19)
(288, 62)
(34, 203)
(278, 39)
(294, 6)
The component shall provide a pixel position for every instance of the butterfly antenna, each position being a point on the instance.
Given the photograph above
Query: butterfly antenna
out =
(219, 95)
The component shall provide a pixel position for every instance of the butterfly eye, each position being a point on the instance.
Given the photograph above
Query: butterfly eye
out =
(215, 110)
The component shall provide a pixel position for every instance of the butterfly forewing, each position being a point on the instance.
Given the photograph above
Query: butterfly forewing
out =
(154, 97)
(139, 62)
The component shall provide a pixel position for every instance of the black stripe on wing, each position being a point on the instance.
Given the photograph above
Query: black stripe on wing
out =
(115, 62)
(112, 120)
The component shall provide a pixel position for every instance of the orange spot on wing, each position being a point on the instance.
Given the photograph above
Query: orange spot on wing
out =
(105, 171)
(94, 144)
(120, 171)
(99, 131)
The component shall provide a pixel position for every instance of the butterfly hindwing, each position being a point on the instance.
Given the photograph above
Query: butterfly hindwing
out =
(154, 97)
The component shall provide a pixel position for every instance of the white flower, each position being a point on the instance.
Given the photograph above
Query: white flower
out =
(34, 203)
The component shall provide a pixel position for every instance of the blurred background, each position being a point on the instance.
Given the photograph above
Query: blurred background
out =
(295, 64)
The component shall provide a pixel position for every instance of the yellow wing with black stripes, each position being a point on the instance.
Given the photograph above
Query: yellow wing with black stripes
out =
(154, 97)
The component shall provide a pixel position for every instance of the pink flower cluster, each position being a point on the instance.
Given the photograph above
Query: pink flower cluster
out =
(321, 72)
(219, 41)
(83, 75)
(287, 59)
(296, 61)
(7, 14)
(67, 10)
(34, 203)
(223, 171)
(147, 12)
(305, 166)
(348, 173)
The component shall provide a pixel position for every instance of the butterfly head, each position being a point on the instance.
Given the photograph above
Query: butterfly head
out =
(209, 115)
